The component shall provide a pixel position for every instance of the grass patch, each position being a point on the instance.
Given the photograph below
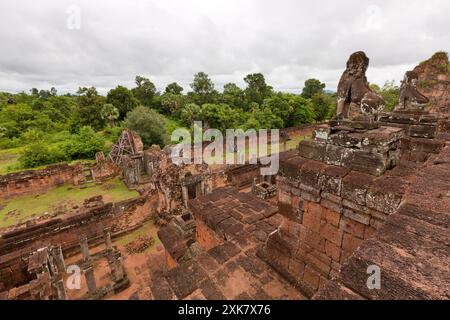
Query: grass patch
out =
(9, 159)
(147, 229)
(63, 197)
(290, 145)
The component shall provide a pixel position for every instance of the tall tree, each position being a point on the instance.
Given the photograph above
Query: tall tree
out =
(233, 95)
(109, 113)
(122, 99)
(257, 89)
(150, 125)
(322, 105)
(145, 91)
(89, 104)
(202, 89)
(390, 93)
(174, 88)
(190, 113)
(303, 112)
(172, 104)
(312, 86)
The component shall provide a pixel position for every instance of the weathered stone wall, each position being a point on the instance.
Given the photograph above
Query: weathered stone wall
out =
(34, 181)
(305, 131)
(419, 149)
(241, 176)
(434, 82)
(411, 250)
(329, 211)
(206, 237)
(64, 230)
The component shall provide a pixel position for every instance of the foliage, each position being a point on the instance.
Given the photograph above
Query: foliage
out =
(84, 145)
(49, 127)
(303, 112)
(172, 104)
(150, 125)
(38, 154)
(390, 93)
(257, 89)
(89, 105)
(190, 113)
(323, 106)
(217, 116)
(145, 91)
(174, 88)
(109, 113)
(122, 99)
(312, 87)
(202, 89)
(233, 96)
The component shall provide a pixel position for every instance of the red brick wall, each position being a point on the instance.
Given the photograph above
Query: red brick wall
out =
(170, 262)
(64, 231)
(328, 213)
(28, 182)
(206, 237)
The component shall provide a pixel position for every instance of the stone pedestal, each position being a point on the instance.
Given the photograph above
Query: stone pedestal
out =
(115, 262)
(108, 241)
(59, 258)
(416, 123)
(84, 248)
(60, 289)
(90, 279)
(373, 149)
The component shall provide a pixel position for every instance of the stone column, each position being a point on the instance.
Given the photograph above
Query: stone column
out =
(184, 190)
(84, 248)
(202, 188)
(108, 241)
(119, 268)
(90, 279)
(59, 258)
(115, 262)
(60, 290)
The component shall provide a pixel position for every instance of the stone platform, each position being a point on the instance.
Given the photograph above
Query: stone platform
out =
(371, 151)
(411, 249)
(421, 124)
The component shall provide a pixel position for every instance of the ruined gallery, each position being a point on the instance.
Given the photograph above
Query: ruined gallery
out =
(362, 195)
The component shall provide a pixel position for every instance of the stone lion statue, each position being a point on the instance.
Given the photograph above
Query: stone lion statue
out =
(356, 100)
(410, 98)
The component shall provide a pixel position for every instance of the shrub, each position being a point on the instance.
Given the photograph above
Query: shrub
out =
(84, 145)
(150, 125)
(39, 154)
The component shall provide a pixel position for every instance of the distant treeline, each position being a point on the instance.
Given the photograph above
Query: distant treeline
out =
(55, 128)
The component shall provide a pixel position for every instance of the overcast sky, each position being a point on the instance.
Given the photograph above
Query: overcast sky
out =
(289, 41)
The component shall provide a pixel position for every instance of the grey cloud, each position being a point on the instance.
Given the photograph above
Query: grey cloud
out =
(288, 40)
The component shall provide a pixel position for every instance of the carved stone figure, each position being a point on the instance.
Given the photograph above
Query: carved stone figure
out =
(410, 97)
(356, 101)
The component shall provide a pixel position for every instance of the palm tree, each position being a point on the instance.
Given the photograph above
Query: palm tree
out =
(190, 111)
(109, 113)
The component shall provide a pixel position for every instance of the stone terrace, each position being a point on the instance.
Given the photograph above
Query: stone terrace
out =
(330, 208)
(230, 227)
(412, 249)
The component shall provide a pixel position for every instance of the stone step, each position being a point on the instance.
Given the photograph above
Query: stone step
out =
(403, 276)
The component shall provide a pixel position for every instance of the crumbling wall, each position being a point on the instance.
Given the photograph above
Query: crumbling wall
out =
(241, 176)
(34, 181)
(64, 230)
(411, 250)
(329, 211)
(434, 82)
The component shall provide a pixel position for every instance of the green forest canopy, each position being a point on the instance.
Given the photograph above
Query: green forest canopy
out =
(46, 127)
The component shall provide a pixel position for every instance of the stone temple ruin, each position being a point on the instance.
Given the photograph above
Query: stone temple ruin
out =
(369, 189)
